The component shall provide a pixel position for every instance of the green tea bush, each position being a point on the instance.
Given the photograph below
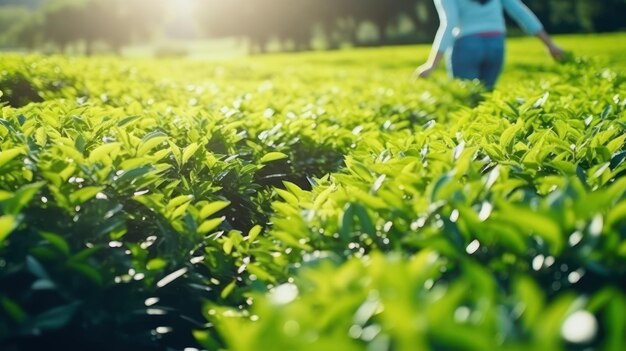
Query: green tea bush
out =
(425, 302)
(328, 204)
(521, 202)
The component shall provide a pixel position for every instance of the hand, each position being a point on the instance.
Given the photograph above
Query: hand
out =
(424, 71)
(556, 52)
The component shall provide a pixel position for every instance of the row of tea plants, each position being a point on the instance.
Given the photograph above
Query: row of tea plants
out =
(264, 206)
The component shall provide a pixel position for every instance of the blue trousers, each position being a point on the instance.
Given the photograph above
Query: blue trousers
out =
(477, 57)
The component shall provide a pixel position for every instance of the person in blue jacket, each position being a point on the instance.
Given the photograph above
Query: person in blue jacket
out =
(471, 34)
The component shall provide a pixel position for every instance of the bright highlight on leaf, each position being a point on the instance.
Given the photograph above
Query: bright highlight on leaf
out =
(580, 327)
(210, 225)
(8, 155)
(7, 225)
(171, 277)
(213, 208)
(273, 156)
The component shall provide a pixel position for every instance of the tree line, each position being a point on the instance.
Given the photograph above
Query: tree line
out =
(64, 23)
(293, 24)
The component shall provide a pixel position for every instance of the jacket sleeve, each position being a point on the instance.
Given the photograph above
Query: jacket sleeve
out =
(448, 11)
(523, 16)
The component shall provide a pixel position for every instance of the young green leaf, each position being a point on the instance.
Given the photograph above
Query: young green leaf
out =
(103, 151)
(273, 156)
(213, 208)
(254, 232)
(210, 225)
(7, 155)
(8, 223)
(83, 195)
(189, 151)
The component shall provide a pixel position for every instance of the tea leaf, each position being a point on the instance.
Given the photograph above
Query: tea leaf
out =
(83, 195)
(7, 155)
(213, 208)
(210, 225)
(8, 223)
(273, 156)
(189, 151)
(103, 151)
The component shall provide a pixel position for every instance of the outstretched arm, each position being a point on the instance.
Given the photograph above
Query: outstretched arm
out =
(448, 20)
(527, 20)
(555, 51)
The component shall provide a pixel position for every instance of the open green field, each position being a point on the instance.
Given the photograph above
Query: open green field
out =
(314, 201)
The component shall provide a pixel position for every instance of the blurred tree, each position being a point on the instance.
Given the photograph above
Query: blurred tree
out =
(543, 10)
(384, 14)
(333, 18)
(118, 23)
(114, 22)
(609, 15)
(567, 16)
(427, 20)
(292, 22)
(261, 21)
(62, 22)
(10, 17)
(27, 33)
(342, 18)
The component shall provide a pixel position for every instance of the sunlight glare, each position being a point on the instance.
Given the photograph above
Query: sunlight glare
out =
(181, 8)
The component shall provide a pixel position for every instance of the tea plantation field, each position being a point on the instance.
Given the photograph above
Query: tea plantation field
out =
(315, 201)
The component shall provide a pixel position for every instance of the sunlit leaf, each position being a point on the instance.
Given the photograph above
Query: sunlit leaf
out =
(149, 144)
(228, 289)
(83, 195)
(228, 246)
(210, 225)
(189, 151)
(213, 208)
(156, 264)
(8, 223)
(273, 156)
(254, 232)
(21, 198)
(287, 196)
(7, 155)
(532, 298)
(534, 222)
(103, 151)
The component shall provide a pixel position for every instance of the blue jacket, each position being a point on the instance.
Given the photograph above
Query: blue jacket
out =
(465, 17)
